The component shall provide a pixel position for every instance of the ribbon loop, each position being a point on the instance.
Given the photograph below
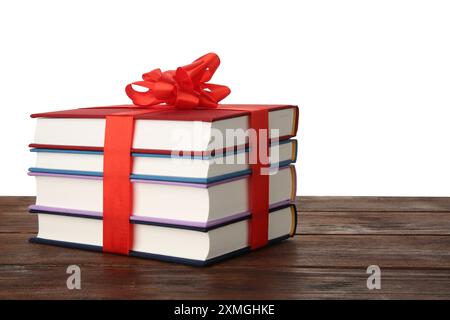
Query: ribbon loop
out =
(186, 87)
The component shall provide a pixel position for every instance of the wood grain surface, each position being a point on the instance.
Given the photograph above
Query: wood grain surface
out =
(338, 238)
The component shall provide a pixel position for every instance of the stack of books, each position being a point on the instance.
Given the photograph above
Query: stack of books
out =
(190, 207)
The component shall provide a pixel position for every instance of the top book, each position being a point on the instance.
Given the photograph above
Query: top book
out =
(161, 131)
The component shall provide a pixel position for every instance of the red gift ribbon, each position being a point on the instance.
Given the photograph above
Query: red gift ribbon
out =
(183, 88)
(117, 187)
(259, 182)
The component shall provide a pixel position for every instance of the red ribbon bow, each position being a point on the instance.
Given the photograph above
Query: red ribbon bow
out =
(185, 87)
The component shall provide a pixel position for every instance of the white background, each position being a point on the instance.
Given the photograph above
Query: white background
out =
(372, 78)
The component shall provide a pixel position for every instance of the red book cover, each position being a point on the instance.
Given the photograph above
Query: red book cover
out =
(224, 111)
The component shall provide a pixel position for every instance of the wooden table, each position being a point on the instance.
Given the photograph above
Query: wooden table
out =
(338, 238)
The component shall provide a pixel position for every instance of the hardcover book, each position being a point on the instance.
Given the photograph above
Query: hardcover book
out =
(199, 205)
(163, 167)
(162, 131)
(167, 243)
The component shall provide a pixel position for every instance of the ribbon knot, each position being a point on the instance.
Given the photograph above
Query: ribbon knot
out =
(186, 87)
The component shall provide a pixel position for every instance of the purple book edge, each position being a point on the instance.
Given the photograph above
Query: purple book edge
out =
(136, 218)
